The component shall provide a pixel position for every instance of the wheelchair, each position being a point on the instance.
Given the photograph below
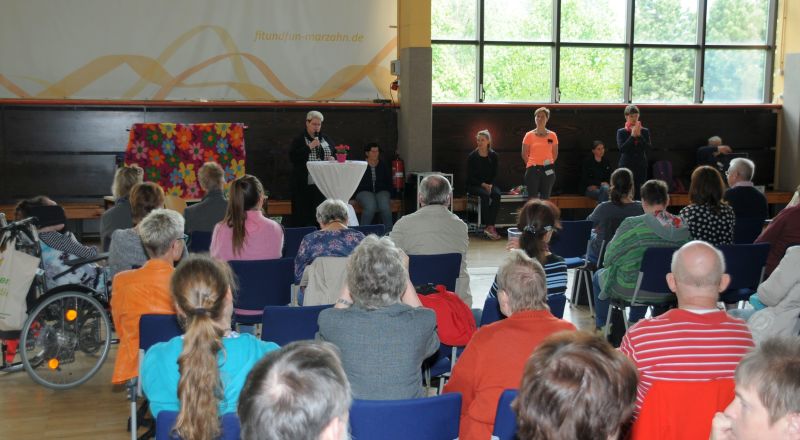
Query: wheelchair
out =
(68, 333)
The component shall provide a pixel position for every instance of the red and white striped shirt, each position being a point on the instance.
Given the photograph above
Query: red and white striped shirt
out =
(681, 345)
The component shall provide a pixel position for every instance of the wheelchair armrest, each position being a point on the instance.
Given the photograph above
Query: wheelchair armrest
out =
(74, 264)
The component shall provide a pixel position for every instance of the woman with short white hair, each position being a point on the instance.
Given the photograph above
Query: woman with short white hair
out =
(311, 145)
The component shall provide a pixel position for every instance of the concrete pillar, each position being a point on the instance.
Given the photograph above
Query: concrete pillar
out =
(415, 130)
(788, 158)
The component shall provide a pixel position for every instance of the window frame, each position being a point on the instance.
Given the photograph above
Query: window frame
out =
(700, 47)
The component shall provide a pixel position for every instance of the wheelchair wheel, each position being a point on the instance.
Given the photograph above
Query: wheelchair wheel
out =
(65, 340)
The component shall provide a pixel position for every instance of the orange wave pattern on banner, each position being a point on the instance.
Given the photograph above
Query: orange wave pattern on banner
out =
(152, 71)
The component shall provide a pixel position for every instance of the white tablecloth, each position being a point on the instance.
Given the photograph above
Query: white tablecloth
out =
(338, 181)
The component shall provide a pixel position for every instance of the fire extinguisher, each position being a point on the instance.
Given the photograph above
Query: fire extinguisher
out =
(398, 171)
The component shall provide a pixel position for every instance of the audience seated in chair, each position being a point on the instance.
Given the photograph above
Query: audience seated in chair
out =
(126, 251)
(623, 255)
(433, 229)
(709, 217)
(379, 325)
(58, 245)
(767, 402)
(297, 392)
(119, 216)
(205, 214)
(696, 341)
(608, 215)
(742, 196)
(496, 355)
(146, 290)
(538, 220)
(375, 189)
(782, 232)
(245, 233)
(780, 293)
(575, 386)
(333, 239)
(201, 373)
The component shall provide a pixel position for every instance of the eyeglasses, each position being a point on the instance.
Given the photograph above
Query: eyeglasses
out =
(184, 237)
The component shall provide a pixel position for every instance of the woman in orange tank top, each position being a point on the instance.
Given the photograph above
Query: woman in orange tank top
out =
(540, 151)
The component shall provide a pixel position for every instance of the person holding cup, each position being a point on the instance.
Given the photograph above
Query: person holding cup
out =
(536, 223)
(595, 173)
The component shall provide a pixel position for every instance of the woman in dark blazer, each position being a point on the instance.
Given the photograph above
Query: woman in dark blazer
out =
(633, 141)
(310, 145)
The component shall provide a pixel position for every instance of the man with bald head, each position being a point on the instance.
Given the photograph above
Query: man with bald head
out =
(696, 341)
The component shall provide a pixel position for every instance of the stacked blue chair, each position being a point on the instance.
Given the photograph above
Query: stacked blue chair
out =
(435, 269)
(505, 421)
(285, 324)
(378, 229)
(261, 283)
(292, 238)
(199, 241)
(165, 422)
(429, 418)
(745, 264)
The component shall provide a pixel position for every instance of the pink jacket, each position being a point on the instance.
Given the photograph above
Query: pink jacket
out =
(263, 240)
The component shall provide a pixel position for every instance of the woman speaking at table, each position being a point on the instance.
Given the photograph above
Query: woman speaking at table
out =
(540, 151)
(309, 146)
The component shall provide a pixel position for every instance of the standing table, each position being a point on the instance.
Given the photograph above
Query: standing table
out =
(338, 181)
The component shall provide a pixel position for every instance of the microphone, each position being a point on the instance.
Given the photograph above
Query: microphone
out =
(320, 151)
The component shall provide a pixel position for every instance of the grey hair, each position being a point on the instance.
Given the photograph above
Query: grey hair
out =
(714, 140)
(376, 276)
(523, 279)
(771, 369)
(294, 393)
(332, 210)
(211, 176)
(435, 190)
(125, 178)
(313, 114)
(158, 230)
(485, 133)
(744, 167)
(711, 279)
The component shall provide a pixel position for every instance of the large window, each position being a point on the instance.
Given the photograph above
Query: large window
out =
(669, 51)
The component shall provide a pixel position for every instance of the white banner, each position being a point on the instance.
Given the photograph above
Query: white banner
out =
(251, 50)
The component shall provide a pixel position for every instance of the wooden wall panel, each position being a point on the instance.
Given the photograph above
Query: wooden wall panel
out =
(676, 132)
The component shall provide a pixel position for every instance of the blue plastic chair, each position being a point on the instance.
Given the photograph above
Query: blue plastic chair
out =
(379, 229)
(435, 269)
(292, 238)
(745, 264)
(571, 243)
(285, 324)
(429, 418)
(505, 421)
(440, 364)
(165, 422)
(656, 264)
(157, 328)
(491, 308)
(200, 242)
(261, 283)
(746, 230)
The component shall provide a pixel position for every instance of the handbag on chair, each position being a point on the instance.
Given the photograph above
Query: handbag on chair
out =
(17, 270)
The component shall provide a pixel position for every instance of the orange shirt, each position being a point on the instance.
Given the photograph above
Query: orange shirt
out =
(494, 361)
(540, 148)
(135, 293)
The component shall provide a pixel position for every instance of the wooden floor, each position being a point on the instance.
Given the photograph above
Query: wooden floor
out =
(98, 410)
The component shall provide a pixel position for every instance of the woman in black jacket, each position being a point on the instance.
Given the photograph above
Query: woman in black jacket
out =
(481, 175)
(310, 145)
(374, 193)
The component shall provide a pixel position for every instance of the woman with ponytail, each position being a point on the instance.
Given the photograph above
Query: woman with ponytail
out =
(245, 233)
(201, 373)
(538, 220)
